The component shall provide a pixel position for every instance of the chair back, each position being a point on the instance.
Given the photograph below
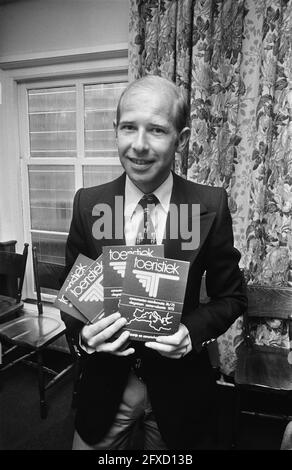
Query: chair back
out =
(266, 304)
(46, 276)
(271, 302)
(12, 266)
(263, 363)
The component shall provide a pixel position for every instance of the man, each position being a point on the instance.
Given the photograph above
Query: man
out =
(171, 387)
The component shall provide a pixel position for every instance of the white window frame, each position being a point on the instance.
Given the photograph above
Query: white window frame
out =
(106, 65)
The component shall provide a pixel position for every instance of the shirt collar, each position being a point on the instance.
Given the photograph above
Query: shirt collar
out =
(134, 194)
(163, 192)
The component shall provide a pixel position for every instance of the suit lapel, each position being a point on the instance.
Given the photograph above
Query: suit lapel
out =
(203, 221)
(114, 196)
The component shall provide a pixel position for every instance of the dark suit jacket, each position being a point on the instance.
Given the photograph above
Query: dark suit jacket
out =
(181, 391)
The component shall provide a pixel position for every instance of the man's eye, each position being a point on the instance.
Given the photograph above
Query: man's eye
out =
(127, 127)
(158, 131)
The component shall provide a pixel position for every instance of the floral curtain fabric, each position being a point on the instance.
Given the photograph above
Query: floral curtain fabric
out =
(234, 60)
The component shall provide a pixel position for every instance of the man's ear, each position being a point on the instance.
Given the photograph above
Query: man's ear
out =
(183, 139)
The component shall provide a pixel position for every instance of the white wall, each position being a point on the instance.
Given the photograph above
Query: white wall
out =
(10, 196)
(36, 28)
(31, 26)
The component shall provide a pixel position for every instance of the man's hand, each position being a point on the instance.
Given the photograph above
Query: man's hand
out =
(95, 337)
(174, 346)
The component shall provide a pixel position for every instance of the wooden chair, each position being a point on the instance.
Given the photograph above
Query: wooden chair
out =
(49, 278)
(31, 334)
(262, 367)
(12, 271)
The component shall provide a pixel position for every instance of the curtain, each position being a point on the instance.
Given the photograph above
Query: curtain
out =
(234, 60)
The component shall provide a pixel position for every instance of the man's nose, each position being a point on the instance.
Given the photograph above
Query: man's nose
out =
(140, 142)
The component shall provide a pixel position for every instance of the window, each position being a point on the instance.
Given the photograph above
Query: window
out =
(67, 141)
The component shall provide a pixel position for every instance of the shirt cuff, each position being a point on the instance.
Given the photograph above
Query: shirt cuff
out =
(204, 343)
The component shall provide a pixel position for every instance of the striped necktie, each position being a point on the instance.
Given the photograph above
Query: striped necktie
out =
(146, 232)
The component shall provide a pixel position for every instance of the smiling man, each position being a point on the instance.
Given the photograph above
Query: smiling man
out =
(168, 384)
(149, 131)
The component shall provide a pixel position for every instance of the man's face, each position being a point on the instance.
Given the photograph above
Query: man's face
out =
(146, 137)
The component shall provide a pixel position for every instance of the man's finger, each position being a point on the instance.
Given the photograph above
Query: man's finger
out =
(116, 345)
(126, 352)
(165, 348)
(91, 330)
(176, 344)
(176, 338)
(107, 333)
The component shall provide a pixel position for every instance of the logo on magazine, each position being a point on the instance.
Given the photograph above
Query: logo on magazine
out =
(119, 266)
(123, 254)
(150, 280)
(156, 266)
(79, 271)
(64, 300)
(92, 277)
(94, 293)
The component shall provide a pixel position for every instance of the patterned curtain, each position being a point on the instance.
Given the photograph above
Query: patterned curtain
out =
(234, 59)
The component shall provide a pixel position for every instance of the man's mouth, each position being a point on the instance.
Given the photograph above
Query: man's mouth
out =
(141, 161)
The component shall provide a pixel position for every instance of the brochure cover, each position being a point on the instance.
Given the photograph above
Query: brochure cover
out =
(153, 295)
(86, 294)
(114, 263)
(81, 264)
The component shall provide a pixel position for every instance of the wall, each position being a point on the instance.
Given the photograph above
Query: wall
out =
(10, 197)
(31, 26)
